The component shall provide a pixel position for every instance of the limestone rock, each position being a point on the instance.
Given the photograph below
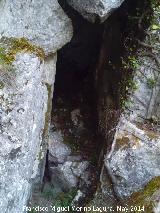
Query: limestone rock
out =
(73, 171)
(145, 101)
(90, 9)
(57, 148)
(135, 159)
(23, 106)
(41, 22)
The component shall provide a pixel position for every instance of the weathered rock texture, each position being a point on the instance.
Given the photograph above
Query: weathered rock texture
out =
(66, 167)
(26, 88)
(134, 157)
(131, 171)
(42, 22)
(91, 9)
(23, 106)
(134, 160)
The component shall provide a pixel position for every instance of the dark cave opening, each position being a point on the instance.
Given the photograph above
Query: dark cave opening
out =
(74, 111)
(75, 69)
(88, 84)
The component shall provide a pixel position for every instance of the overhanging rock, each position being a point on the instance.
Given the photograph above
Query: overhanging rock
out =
(91, 9)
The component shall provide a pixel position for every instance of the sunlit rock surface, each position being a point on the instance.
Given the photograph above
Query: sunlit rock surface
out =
(58, 151)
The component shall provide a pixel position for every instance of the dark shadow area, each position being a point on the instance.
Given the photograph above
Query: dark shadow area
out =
(75, 84)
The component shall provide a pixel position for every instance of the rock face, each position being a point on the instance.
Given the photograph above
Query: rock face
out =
(91, 9)
(26, 88)
(133, 160)
(22, 119)
(43, 23)
(131, 170)
(57, 149)
(65, 167)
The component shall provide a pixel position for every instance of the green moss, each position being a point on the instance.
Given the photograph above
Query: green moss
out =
(144, 197)
(11, 46)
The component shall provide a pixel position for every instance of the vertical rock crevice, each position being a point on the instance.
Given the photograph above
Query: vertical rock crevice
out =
(93, 72)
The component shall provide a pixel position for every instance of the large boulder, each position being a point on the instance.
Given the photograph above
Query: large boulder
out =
(91, 9)
(24, 95)
(133, 161)
(135, 158)
(58, 151)
(42, 22)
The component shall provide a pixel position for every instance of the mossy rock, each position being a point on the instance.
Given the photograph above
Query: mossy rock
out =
(145, 197)
(9, 47)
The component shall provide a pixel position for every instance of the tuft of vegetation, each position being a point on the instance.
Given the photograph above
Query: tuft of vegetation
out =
(131, 63)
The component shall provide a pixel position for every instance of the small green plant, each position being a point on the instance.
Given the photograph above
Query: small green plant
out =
(130, 63)
(126, 104)
(133, 62)
(131, 85)
(151, 82)
(65, 199)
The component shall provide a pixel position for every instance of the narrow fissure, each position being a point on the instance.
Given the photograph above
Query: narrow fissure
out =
(74, 112)
(88, 99)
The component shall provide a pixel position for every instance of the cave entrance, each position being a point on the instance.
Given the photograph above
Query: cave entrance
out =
(74, 114)
(74, 102)
(89, 82)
